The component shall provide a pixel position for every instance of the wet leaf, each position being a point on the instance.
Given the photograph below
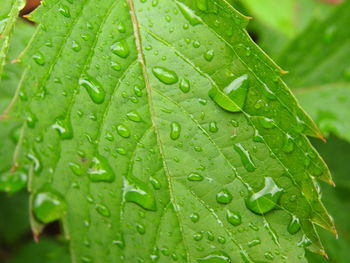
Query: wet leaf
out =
(161, 188)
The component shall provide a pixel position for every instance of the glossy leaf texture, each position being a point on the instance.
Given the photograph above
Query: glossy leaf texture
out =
(158, 132)
(8, 16)
(320, 71)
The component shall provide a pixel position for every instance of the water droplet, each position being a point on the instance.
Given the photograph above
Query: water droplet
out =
(198, 236)
(12, 182)
(218, 257)
(93, 88)
(39, 58)
(288, 146)
(254, 242)
(64, 128)
(266, 199)
(224, 197)
(185, 85)
(294, 225)
(64, 10)
(268, 93)
(138, 192)
(194, 217)
(121, 27)
(234, 218)
(155, 183)
(209, 55)
(165, 75)
(213, 127)
(232, 98)
(116, 66)
(189, 14)
(267, 123)
(48, 207)
(75, 168)
(76, 46)
(134, 116)
(175, 130)
(34, 157)
(141, 229)
(103, 210)
(121, 49)
(246, 159)
(195, 177)
(123, 131)
(100, 170)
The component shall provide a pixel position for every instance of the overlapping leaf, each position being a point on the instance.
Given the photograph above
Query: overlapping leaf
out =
(158, 131)
(320, 71)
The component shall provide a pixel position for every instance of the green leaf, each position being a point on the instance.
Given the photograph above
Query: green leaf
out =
(8, 16)
(336, 153)
(320, 72)
(139, 162)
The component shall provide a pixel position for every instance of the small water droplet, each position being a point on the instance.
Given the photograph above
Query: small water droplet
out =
(218, 257)
(266, 199)
(64, 10)
(165, 75)
(194, 217)
(224, 197)
(209, 55)
(103, 210)
(123, 131)
(254, 242)
(288, 146)
(121, 27)
(76, 46)
(232, 98)
(185, 85)
(100, 170)
(195, 177)
(202, 5)
(267, 123)
(48, 207)
(134, 116)
(246, 159)
(64, 128)
(39, 58)
(155, 183)
(121, 49)
(175, 130)
(75, 168)
(213, 127)
(234, 218)
(93, 88)
(141, 229)
(294, 225)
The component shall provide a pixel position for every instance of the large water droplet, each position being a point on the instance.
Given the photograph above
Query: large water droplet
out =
(294, 225)
(218, 257)
(93, 88)
(121, 49)
(134, 116)
(165, 75)
(12, 182)
(233, 97)
(138, 192)
(234, 218)
(175, 130)
(64, 128)
(224, 197)
(266, 199)
(189, 14)
(246, 159)
(48, 207)
(100, 170)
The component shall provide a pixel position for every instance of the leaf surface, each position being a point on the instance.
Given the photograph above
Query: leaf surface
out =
(158, 131)
(320, 71)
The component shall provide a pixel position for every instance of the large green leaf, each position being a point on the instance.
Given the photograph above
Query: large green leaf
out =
(320, 71)
(159, 131)
(8, 16)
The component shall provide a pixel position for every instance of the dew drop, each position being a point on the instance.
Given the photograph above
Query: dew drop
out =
(165, 75)
(76, 46)
(64, 10)
(75, 168)
(141, 229)
(194, 217)
(234, 218)
(288, 146)
(155, 183)
(267, 123)
(48, 207)
(233, 97)
(93, 88)
(100, 170)
(224, 197)
(103, 210)
(246, 159)
(64, 128)
(185, 85)
(213, 127)
(39, 58)
(266, 199)
(12, 182)
(137, 192)
(202, 5)
(134, 116)
(196, 177)
(218, 257)
(175, 130)
(123, 131)
(209, 55)
(121, 49)
(121, 27)
(294, 225)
